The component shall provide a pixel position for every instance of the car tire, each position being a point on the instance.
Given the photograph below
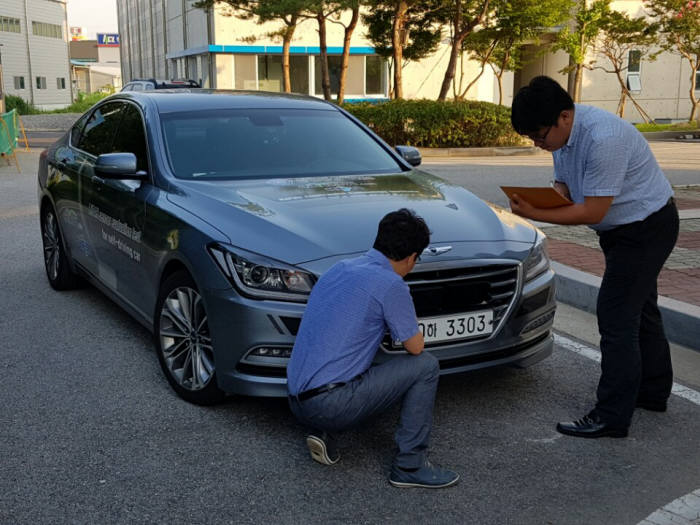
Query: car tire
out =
(183, 342)
(58, 270)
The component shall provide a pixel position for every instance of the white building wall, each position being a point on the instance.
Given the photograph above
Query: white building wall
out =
(15, 59)
(185, 41)
(30, 56)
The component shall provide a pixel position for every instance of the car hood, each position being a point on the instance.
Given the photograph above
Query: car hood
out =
(304, 219)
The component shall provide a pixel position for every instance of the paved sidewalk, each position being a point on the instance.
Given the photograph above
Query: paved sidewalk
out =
(576, 247)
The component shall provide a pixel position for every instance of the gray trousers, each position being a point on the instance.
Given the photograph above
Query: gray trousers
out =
(411, 379)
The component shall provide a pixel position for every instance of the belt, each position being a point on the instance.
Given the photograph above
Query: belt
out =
(308, 394)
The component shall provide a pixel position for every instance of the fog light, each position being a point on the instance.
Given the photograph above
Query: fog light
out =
(271, 351)
(536, 323)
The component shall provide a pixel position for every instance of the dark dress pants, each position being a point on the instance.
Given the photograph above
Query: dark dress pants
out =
(409, 379)
(636, 361)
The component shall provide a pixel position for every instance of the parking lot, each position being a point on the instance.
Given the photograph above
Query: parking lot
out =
(92, 433)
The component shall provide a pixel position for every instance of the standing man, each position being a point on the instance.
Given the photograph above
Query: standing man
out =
(605, 166)
(332, 383)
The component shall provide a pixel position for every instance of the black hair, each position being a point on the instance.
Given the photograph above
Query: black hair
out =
(402, 233)
(539, 105)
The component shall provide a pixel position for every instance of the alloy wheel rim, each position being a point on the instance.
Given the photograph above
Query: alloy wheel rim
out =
(184, 339)
(52, 246)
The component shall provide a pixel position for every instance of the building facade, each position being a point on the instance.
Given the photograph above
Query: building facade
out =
(95, 64)
(171, 39)
(34, 52)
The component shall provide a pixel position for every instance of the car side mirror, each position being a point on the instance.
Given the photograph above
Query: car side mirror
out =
(410, 155)
(118, 166)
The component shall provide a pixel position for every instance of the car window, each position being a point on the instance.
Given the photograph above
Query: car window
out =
(77, 129)
(137, 87)
(127, 87)
(130, 138)
(232, 144)
(100, 128)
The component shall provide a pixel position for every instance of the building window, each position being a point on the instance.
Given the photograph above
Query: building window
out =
(634, 61)
(365, 76)
(375, 75)
(44, 29)
(270, 76)
(41, 82)
(634, 68)
(9, 25)
(19, 82)
(61, 83)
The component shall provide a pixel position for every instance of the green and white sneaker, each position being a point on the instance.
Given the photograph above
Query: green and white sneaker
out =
(322, 448)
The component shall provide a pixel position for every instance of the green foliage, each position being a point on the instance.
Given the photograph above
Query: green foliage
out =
(422, 27)
(84, 101)
(681, 126)
(436, 124)
(588, 23)
(22, 106)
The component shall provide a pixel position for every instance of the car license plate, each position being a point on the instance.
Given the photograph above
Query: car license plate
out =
(455, 327)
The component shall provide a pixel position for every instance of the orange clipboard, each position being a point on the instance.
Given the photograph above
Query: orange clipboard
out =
(543, 197)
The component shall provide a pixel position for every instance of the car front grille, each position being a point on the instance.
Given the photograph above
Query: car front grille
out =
(462, 290)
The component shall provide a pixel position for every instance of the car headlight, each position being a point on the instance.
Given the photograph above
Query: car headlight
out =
(260, 277)
(538, 260)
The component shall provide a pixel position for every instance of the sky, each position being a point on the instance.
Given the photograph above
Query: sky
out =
(95, 16)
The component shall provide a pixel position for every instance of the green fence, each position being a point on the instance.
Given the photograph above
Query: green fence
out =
(9, 134)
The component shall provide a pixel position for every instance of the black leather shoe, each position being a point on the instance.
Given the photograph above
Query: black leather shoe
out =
(654, 406)
(590, 426)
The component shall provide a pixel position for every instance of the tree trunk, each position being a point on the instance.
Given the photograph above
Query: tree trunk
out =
(621, 105)
(325, 77)
(693, 99)
(286, 43)
(397, 43)
(454, 53)
(578, 75)
(346, 53)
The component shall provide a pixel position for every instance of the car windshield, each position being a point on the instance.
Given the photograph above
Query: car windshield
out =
(269, 143)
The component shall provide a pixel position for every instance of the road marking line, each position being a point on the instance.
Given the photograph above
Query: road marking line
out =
(591, 353)
(682, 511)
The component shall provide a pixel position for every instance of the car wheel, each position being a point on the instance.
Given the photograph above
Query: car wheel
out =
(58, 270)
(183, 342)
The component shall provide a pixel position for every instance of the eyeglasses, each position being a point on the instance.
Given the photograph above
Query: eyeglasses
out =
(543, 137)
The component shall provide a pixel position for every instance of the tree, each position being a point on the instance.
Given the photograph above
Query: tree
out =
(621, 34)
(680, 26)
(323, 12)
(464, 16)
(404, 29)
(286, 11)
(578, 40)
(510, 25)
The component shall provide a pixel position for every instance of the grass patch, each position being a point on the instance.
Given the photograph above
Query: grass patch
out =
(82, 103)
(679, 126)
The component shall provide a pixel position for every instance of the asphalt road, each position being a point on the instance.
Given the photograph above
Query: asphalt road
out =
(90, 431)
(484, 175)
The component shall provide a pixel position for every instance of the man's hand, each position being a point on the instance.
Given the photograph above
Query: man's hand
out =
(562, 188)
(415, 344)
(520, 206)
(591, 211)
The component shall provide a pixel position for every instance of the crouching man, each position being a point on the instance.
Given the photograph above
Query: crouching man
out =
(332, 383)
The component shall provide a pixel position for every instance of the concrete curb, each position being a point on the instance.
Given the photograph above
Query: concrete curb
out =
(479, 152)
(580, 289)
